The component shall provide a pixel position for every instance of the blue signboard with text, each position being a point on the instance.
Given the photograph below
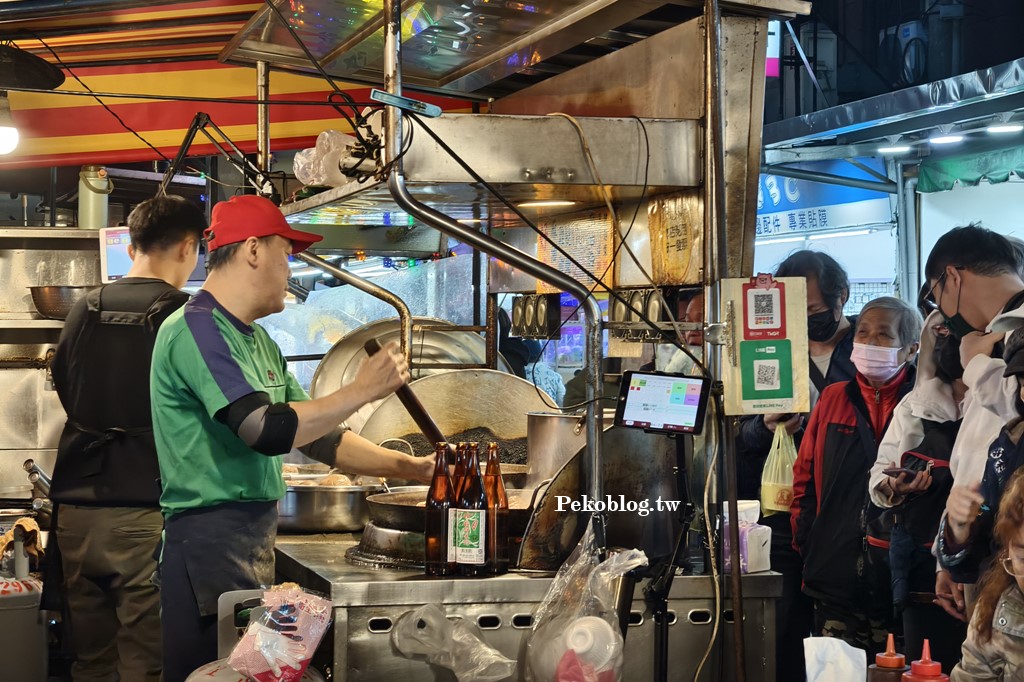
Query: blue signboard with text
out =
(787, 205)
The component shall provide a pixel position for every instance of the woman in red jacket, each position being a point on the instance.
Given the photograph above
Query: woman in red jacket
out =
(831, 509)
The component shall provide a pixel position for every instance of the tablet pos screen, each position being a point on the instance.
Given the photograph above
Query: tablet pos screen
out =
(663, 402)
(114, 259)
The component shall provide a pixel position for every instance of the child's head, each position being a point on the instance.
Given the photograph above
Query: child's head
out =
(1008, 569)
(886, 337)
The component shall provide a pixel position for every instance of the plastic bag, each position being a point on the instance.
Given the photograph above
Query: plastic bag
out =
(777, 476)
(456, 645)
(279, 643)
(307, 167)
(575, 635)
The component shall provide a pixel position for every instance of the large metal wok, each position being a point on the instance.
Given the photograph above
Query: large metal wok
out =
(430, 346)
(461, 400)
(638, 467)
(404, 510)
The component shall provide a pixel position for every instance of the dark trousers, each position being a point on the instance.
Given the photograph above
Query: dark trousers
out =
(853, 627)
(927, 621)
(794, 615)
(107, 557)
(208, 552)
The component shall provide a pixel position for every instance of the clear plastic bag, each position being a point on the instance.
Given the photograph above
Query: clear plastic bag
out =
(457, 645)
(280, 641)
(307, 167)
(575, 636)
(777, 476)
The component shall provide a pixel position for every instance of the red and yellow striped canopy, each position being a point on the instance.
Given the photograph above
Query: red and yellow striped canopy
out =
(165, 49)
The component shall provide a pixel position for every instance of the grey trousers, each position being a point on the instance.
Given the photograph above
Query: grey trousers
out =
(107, 555)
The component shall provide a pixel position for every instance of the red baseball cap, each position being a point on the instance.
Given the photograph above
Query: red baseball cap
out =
(249, 215)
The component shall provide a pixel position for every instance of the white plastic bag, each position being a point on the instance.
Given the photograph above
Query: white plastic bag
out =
(307, 167)
(454, 645)
(829, 659)
(575, 636)
(777, 476)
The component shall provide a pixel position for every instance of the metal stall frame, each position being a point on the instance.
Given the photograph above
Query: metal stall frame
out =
(379, 292)
(497, 249)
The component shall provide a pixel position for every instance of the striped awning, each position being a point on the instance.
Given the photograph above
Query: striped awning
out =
(164, 49)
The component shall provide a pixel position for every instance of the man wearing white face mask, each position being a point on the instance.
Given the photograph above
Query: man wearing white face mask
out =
(831, 511)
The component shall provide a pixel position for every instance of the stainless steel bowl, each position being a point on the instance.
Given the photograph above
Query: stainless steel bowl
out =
(324, 509)
(55, 302)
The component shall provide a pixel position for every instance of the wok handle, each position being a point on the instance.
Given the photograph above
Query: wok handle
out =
(412, 404)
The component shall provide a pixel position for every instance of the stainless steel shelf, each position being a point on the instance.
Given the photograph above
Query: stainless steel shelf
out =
(26, 323)
(48, 233)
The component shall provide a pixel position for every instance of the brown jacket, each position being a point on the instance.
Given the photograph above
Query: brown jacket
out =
(1001, 659)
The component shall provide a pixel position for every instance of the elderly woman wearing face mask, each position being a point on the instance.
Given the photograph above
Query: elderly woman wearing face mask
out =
(831, 510)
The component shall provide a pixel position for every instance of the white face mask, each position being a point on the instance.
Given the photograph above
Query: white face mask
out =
(877, 363)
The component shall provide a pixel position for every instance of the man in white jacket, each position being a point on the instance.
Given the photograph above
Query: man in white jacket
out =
(974, 281)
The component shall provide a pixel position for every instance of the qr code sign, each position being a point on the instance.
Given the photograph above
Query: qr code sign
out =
(764, 308)
(766, 375)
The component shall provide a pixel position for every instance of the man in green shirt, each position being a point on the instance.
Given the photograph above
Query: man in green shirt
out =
(225, 408)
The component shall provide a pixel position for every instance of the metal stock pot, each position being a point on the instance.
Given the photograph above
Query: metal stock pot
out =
(324, 509)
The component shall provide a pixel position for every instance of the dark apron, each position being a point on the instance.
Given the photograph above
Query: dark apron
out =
(219, 549)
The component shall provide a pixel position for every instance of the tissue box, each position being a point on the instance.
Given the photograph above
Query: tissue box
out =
(755, 548)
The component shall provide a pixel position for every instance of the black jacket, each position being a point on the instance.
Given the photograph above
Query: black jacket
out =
(107, 454)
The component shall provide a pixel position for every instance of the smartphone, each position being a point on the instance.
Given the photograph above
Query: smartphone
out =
(896, 471)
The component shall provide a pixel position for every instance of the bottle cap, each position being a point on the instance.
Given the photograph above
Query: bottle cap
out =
(890, 659)
(926, 667)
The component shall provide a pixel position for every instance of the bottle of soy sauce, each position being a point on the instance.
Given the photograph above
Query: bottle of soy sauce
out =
(497, 514)
(459, 475)
(440, 501)
(470, 525)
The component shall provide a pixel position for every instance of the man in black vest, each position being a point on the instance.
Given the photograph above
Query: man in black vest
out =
(106, 479)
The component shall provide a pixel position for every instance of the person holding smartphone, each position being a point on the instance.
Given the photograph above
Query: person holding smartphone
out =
(911, 480)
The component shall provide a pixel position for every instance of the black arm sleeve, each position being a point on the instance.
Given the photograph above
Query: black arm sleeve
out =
(325, 448)
(268, 428)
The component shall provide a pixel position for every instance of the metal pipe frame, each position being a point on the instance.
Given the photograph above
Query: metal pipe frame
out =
(263, 117)
(365, 285)
(490, 246)
(715, 268)
(888, 187)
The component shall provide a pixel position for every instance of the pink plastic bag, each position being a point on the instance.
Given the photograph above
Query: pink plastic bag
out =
(279, 643)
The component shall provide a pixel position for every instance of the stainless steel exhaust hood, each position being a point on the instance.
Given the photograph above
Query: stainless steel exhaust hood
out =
(464, 46)
(535, 158)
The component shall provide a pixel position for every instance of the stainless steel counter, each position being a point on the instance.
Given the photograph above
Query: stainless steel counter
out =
(368, 602)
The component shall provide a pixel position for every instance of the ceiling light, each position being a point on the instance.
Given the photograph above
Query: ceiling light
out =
(545, 204)
(848, 233)
(784, 240)
(895, 149)
(8, 133)
(946, 139)
(472, 221)
(1003, 128)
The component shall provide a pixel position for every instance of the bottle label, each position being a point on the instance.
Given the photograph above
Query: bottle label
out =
(470, 536)
(451, 535)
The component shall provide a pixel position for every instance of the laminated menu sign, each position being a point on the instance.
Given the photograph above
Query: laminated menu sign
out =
(765, 366)
(470, 536)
